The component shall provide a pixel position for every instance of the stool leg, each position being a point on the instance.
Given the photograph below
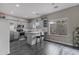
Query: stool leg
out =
(40, 40)
(36, 41)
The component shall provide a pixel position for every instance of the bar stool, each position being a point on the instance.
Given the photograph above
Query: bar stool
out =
(41, 37)
(37, 38)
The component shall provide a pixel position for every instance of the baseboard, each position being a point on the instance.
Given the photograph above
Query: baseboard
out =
(63, 44)
(14, 40)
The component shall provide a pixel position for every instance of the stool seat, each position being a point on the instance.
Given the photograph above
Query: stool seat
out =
(37, 36)
(42, 35)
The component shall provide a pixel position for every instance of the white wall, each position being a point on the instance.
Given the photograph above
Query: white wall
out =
(4, 37)
(73, 21)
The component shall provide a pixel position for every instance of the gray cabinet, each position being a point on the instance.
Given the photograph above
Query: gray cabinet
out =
(45, 23)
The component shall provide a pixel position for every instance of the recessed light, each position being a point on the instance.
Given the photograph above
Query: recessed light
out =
(17, 5)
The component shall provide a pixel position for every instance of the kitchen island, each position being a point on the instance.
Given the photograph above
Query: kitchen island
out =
(31, 37)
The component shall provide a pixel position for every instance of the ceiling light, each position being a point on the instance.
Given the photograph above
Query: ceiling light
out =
(51, 22)
(17, 5)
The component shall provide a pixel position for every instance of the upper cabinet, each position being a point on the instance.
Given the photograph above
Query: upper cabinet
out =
(45, 23)
(36, 24)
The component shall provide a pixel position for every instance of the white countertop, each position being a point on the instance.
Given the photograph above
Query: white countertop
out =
(33, 32)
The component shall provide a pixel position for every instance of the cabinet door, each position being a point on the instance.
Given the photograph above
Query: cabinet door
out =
(45, 23)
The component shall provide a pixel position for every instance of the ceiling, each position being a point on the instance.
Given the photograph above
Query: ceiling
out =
(32, 10)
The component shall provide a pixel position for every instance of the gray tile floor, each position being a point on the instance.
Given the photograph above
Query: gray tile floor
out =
(46, 48)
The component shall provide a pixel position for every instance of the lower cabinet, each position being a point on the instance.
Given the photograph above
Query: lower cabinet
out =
(31, 38)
